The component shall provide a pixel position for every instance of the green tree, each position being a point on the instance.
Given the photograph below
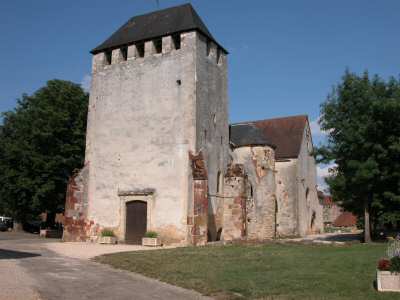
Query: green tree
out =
(41, 142)
(362, 118)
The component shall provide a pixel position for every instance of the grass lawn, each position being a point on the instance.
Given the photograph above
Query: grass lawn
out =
(270, 271)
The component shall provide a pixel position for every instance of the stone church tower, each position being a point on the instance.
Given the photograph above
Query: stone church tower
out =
(161, 155)
(158, 105)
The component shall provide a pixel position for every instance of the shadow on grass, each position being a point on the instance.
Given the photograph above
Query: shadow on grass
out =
(343, 238)
(375, 285)
(10, 254)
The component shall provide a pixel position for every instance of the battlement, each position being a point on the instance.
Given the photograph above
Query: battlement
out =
(166, 45)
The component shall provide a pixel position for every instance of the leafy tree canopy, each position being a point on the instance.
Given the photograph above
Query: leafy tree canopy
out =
(362, 118)
(41, 142)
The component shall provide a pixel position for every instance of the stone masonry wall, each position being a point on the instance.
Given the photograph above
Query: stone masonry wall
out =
(145, 115)
(286, 191)
(259, 166)
(198, 214)
(212, 124)
(309, 207)
(234, 215)
(141, 126)
(76, 225)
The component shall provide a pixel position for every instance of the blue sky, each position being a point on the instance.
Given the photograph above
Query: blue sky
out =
(285, 56)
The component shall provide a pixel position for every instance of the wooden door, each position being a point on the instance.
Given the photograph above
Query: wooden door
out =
(136, 222)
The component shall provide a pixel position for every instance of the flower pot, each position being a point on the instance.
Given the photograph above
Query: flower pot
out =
(107, 240)
(388, 281)
(151, 242)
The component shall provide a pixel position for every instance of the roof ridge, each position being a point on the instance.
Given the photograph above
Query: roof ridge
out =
(162, 10)
(271, 119)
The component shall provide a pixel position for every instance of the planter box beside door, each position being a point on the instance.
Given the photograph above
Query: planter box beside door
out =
(388, 282)
(108, 240)
(152, 242)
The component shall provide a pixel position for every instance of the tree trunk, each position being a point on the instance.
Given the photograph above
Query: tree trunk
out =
(367, 225)
(17, 226)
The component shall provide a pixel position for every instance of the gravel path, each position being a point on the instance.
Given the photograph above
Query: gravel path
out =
(30, 271)
(90, 250)
(15, 283)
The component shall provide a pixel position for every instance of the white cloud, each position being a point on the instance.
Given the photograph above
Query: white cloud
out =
(86, 81)
(323, 171)
(316, 129)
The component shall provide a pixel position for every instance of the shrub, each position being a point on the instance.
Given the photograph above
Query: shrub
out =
(384, 264)
(107, 232)
(151, 234)
(393, 248)
(395, 264)
(392, 263)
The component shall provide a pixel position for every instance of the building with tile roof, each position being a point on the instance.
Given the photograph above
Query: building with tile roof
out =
(161, 155)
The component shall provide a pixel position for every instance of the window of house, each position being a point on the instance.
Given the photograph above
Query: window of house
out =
(158, 45)
(108, 56)
(176, 40)
(140, 49)
(124, 53)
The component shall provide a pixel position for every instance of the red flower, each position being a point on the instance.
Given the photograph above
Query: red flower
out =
(384, 264)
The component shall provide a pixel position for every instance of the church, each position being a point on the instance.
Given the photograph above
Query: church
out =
(161, 155)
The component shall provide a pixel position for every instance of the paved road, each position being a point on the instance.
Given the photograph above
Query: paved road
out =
(31, 271)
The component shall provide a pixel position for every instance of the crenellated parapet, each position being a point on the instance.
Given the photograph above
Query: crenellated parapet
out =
(157, 47)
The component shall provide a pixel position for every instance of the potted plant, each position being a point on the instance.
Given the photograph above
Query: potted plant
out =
(388, 273)
(151, 239)
(107, 237)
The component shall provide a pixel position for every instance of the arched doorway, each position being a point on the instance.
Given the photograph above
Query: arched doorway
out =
(136, 221)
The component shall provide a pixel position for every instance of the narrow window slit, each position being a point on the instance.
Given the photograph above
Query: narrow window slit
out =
(124, 53)
(218, 55)
(108, 55)
(158, 45)
(140, 49)
(176, 40)
(219, 182)
(208, 47)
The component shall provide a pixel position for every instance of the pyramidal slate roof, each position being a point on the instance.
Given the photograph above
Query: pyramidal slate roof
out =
(160, 23)
(285, 133)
